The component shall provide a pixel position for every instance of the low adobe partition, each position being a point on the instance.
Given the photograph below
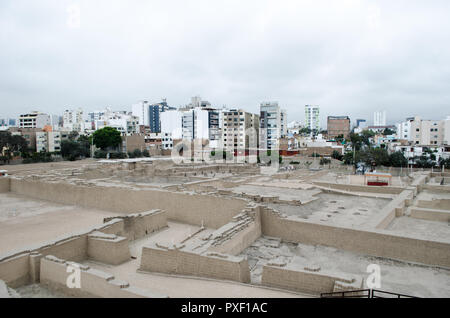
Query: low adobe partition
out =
(138, 225)
(359, 188)
(307, 281)
(437, 204)
(393, 209)
(55, 273)
(195, 209)
(430, 214)
(175, 261)
(365, 241)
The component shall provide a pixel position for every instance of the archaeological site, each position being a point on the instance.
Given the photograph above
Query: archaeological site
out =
(155, 229)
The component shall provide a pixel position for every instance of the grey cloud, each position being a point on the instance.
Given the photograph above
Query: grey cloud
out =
(351, 57)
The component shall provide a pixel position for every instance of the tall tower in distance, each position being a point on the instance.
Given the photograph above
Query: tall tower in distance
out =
(379, 118)
(312, 118)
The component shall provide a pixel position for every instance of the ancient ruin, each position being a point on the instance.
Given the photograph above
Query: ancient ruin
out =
(152, 228)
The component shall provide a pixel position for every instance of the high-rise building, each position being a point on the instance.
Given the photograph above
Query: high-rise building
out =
(361, 123)
(379, 119)
(427, 132)
(73, 120)
(240, 131)
(34, 120)
(312, 118)
(201, 123)
(141, 110)
(338, 125)
(150, 114)
(273, 125)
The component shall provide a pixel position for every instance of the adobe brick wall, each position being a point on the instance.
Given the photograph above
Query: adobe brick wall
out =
(175, 261)
(93, 283)
(303, 281)
(194, 209)
(369, 242)
(430, 214)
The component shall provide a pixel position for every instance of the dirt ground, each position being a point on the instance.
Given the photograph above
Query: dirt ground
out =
(27, 222)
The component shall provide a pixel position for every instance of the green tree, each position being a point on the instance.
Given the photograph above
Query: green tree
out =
(365, 137)
(73, 150)
(356, 141)
(337, 155)
(388, 132)
(107, 137)
(397, 159)
(12, 144)
(444, 163)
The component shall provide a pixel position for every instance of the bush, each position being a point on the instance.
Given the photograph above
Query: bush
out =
(145, 153)
(324, 161)
(100, 154)
(337, 155)
(38, 157)
(137, 153)
(117, 155)
(294, 163)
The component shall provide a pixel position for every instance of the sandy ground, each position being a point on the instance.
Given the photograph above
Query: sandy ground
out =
(400, 277)
(45, 166)
(335, 209)
(427, 229)
(26, 222)
(38, 291)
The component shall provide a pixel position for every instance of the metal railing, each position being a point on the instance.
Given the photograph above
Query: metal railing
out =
(364, 293)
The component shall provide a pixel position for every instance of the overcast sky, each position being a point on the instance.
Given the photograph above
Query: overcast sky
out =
(350, 57)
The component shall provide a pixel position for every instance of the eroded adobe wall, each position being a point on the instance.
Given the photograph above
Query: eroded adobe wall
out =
(238, 235)
(359, 188)
(195, 209)
(22, 267)
(430, 214)
(368, 242)
(138, 225)
(305, 281)
(178, 262)
(93, 283)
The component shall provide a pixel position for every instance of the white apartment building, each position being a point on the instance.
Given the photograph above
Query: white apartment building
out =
(34, 120)
(171, 127)
(379, 118)
(312, 118)
(411, 152)
(273, 125)
(425, 132)
(240, 130)
(48, 141)
(404, 129)
(73, 120)
(201, 123)
(141, 110)
(124, 122)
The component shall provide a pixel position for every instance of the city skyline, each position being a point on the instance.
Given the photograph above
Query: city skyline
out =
(370, 61)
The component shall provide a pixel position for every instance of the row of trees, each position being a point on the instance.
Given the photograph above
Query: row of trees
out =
(376, 156)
